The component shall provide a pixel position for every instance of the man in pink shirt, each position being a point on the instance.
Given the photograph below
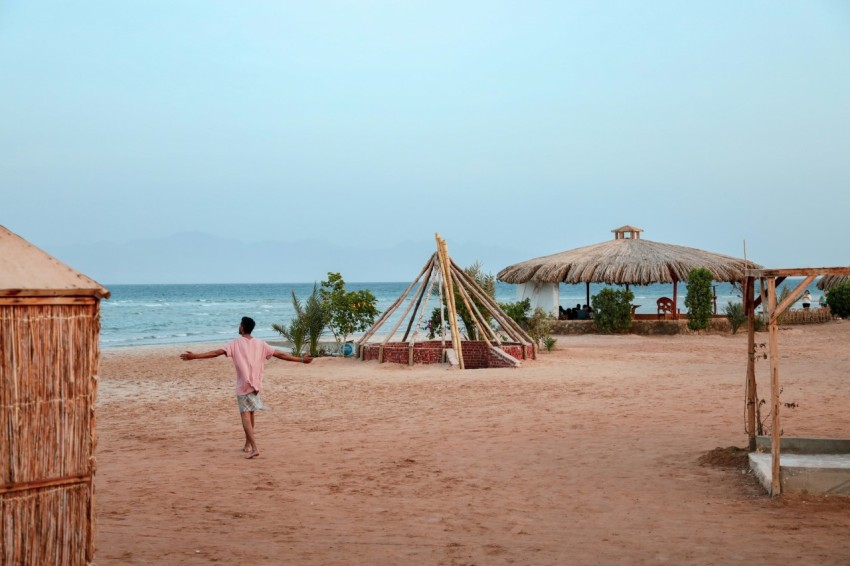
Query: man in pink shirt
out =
(249, 355)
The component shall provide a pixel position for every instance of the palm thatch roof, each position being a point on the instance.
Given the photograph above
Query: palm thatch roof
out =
(829, 281)
(627, 259)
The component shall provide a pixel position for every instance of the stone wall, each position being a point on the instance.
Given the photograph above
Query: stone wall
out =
(719, 325)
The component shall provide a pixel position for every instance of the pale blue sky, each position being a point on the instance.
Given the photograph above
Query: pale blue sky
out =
(536, 126)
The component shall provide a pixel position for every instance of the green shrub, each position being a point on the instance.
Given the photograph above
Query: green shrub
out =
(699, 299)
(838, 300)
(347, 311)
(612, 310)
(549, 343)
(736, 315)
(540, 325)
(519, 311)
(487, 283)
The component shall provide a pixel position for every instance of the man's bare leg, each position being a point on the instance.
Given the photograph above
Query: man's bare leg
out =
(248, 425)
(247, 447)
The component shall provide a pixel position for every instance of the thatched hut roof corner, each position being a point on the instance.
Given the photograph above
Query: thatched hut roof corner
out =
(26, 270)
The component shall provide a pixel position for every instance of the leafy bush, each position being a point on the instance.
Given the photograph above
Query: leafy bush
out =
(347, 311)
(838, 300)
(699, 299)
(540, 325)
(736, 315)
(487, 282)
(612, 310)
(296, 332)
(549, 343)
(519, 311)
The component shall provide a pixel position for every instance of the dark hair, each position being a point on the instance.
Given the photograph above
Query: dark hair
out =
(248, 325)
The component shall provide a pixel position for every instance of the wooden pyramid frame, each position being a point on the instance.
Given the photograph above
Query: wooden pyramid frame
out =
(441, 270)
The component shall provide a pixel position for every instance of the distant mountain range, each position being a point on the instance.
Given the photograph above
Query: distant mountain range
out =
(195, 257)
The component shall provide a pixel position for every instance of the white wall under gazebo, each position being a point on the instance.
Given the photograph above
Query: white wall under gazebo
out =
(547, 296)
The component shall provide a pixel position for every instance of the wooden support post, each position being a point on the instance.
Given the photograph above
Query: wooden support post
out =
(507, 322)
(773, 330)
(445, 264)
(395, 305)
(750, 389)
(410, 354)
(424, 288)
(675, 299)
(476, 315)
(791, 298)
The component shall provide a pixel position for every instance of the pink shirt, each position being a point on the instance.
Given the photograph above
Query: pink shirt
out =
(249, 355)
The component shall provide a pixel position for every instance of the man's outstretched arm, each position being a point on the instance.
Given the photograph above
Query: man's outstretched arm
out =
(186, 356)
(288, 358)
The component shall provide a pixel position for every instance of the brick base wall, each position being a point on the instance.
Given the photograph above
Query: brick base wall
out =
(476, 354)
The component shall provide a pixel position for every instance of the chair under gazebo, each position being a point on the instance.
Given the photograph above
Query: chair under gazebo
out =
(628, 259)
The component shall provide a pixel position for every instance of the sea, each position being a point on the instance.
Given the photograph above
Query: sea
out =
(165, 314)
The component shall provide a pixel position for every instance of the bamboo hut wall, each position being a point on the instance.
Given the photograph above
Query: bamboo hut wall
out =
(49, 359)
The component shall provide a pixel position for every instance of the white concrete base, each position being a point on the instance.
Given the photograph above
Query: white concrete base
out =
(805, 473)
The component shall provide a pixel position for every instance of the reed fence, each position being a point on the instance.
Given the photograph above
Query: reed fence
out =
(48, 366)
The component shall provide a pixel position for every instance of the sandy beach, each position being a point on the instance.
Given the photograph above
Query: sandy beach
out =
(602, 452)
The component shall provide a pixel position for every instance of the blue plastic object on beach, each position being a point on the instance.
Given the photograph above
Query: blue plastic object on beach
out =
(348, 349)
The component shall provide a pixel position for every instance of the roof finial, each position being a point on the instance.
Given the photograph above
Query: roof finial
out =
(627, 232)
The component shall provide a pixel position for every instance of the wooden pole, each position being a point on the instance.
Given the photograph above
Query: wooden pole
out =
(395, 305)
(675, 299)
(773, 330)
(463, 297)
(404, 315)
(442, 248)
(750, 390)
(476, 315)
(791, 298)
(507, 322)
(425, 288)
(425, 305)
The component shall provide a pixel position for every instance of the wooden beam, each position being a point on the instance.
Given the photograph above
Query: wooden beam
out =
(675, 299)
(773, 331)
(424, 289)
(39, 484)
(443, 253)
(35, 301)
(95, 293)
(428, 265)
(791, 298)
(465, 300)
(476, 315)
(798, 271)
(507, 322)
(751, 394)
(758, 300)
(404, 315)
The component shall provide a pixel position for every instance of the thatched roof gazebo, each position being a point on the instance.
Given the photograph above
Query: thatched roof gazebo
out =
(49, 358)
(827, 282)
(628, 259)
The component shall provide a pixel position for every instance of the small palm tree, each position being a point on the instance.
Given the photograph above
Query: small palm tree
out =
(315, 319)
(296, 332)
